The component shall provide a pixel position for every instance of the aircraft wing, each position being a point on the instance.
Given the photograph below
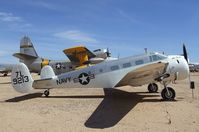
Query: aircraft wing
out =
(143, 75)
(79, 54)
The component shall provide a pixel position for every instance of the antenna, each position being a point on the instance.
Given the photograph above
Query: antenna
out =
(118, 56)
(145, 49)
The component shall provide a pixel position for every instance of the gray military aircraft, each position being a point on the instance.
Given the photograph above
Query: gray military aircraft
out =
(6, 68)
(78, 57)
(138, 70)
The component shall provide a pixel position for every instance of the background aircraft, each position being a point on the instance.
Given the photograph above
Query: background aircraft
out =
(78, 57)
(194, 67)
(6, 68)
(134, 71)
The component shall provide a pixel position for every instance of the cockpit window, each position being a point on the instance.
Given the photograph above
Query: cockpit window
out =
(157, 57)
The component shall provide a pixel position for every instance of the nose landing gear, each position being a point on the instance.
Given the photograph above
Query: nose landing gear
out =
(152, 88)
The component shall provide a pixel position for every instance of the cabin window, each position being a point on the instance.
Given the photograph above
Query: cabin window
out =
(150, 58)
(113, 68)
(125, 65)
(155, 58)
(139, 62)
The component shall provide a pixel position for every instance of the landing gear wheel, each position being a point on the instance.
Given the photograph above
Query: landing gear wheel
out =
(5, 74)
(168, 94)
(152, 88)
(46, 93)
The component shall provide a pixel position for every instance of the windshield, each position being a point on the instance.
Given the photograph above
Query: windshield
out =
(157, 57)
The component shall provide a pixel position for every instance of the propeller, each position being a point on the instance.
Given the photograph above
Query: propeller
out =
(185, 53)
(191, 83)
(108, 53)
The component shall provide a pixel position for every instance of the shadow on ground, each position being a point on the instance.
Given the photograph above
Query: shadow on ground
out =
(115, 106)
(24, 97)
(5, 83)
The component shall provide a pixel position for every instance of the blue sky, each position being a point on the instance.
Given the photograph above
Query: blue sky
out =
(124, 26)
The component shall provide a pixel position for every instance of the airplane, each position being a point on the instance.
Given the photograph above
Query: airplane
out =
(194, 67)
(78, 57)
(135, 71)
(6, 68)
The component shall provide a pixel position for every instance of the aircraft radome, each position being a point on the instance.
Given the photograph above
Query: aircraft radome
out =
(138, 70)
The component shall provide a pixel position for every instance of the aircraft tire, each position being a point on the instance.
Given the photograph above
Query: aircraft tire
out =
(46, 93)
(5, 74)
(153, 88)
(168, 96)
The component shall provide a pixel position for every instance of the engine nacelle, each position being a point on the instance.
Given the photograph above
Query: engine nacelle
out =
(178, 68)
(96, 60)
(101, 53)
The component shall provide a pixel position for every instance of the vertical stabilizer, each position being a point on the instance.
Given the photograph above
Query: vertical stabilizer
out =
(27, 48)
(21, 78)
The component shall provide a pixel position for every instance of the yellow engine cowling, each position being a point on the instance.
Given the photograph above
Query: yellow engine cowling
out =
(44, 62)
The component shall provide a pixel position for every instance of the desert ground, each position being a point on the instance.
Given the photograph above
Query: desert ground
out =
(122, 109)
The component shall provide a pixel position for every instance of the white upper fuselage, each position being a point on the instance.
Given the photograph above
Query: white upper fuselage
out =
(108, 74)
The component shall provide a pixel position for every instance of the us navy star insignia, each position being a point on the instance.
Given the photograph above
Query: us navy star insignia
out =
(58, 66)
(84, 78)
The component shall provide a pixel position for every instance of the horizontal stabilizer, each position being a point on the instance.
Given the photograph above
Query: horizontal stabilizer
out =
(43, 83)
(24, 56)
(47, 75)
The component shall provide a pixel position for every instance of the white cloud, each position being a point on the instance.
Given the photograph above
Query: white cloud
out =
(128, 17)
(76, 36)
(41, 4)
(44, 4)
(9, 17)
(14, 22)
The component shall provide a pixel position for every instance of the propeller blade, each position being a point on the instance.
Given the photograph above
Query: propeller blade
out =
(191, 83)
(185, 53)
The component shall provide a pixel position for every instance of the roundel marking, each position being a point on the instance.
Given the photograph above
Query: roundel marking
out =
(84, 78)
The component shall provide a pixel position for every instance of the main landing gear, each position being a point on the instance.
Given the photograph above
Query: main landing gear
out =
(46, 92)
(5, 74)
(168, 93)
(153, 88)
